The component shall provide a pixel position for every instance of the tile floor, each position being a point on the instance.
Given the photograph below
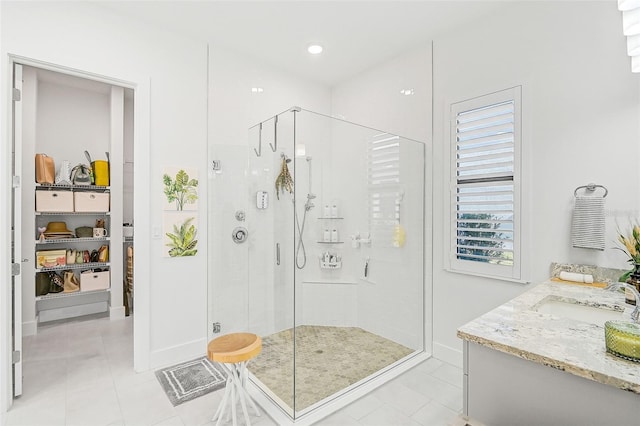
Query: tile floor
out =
(81, 373)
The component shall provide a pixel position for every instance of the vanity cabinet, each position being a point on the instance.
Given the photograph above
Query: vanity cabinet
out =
(502, 389)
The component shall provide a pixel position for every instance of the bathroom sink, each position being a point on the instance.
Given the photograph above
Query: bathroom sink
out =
(577, 311)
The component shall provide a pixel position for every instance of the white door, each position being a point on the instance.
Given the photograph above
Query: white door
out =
(16, 232)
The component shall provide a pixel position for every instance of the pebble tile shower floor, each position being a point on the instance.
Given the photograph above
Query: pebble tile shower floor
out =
(328, 360)
(80, 372)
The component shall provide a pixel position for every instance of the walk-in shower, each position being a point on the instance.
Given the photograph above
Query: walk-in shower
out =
(335, 258)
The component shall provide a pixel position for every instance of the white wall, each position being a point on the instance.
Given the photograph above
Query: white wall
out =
(373, 99)
(169, 73)
(242, 291)
(580, 125)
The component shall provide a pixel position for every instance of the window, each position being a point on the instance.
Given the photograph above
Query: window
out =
(485, 185)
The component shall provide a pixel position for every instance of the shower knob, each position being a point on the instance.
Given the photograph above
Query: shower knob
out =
(239, 235)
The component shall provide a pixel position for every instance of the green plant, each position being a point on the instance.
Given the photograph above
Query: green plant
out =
(182, 190)
(630, 247)
(183, 242)
(479, 239)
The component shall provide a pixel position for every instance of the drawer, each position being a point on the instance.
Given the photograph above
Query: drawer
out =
(91, 201)
(90, 280)
(51, 258)
(54, 201)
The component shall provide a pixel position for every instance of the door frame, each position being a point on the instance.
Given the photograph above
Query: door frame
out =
(141, 85)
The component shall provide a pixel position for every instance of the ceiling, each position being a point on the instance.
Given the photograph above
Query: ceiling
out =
(356, 35)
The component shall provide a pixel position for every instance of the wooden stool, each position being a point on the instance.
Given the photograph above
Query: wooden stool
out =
(233, 352)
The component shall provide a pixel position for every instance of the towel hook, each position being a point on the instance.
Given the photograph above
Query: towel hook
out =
(274, 146)
(591, 188)
(259, 150)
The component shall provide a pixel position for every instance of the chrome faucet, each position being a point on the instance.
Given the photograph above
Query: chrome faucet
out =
(635, 315)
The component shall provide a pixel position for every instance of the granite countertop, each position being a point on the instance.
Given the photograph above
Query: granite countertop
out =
(565, 344)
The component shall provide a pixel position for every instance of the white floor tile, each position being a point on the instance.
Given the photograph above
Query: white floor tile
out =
(435, 414)
(434, 388)
(338, 419)
(387, 415)
(363, 406)
(401, 397)
(449, 374)
(145, 404)
(173, 421)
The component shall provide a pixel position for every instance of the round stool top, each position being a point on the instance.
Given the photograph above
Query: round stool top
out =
(234, 347)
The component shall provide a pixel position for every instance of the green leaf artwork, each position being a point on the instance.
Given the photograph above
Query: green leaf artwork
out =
(183, 239)
(182, 190)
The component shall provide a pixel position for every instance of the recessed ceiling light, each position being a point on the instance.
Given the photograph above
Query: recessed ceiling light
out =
(257, 90)
(314, 49)
(407, 92)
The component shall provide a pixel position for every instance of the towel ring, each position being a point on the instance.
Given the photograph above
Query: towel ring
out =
(590, 188)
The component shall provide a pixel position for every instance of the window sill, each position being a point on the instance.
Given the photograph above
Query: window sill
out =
(492, 277)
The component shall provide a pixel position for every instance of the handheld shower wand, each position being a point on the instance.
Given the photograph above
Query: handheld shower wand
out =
(308, 205)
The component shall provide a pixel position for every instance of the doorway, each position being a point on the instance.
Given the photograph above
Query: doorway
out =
(71, 116)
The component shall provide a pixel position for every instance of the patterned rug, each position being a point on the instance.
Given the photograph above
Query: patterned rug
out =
(328, 360)
(189, 380)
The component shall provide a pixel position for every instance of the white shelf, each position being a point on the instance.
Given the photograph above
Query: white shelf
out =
(88, 265)
(41, 186)
(72, 213)
(71, 240)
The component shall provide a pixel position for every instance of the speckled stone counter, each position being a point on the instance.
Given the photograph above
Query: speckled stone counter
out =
(565, 344)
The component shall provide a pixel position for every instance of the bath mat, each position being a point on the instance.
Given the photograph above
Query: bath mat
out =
(189, 380)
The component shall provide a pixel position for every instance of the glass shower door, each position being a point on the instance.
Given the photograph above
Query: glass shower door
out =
(271, 248)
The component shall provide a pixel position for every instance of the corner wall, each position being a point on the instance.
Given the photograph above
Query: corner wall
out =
(580, 124)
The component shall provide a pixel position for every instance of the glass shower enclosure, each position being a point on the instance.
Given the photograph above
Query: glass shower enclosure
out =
(336, 255)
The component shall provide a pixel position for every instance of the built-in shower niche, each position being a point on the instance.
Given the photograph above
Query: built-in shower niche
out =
(336, 293)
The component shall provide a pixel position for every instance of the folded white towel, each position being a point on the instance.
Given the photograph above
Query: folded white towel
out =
(587, 229)
(576, 277)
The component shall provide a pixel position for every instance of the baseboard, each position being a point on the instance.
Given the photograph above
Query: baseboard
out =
(72, 311)
(116, 312)
(176, 354)
(447, 354)
(30, 328)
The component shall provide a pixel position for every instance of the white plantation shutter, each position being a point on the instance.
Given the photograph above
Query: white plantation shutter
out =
(485, 143)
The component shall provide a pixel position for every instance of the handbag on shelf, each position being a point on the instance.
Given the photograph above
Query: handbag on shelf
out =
(45, 169)
(103, 253)
(57, 283)
(43, 283)
(81, 175)
(71, 283)
(63, 177)
(71, 257)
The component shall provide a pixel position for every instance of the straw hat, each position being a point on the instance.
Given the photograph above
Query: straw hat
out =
(57, 228)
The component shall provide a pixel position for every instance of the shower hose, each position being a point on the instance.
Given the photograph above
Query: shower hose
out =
(300, 246)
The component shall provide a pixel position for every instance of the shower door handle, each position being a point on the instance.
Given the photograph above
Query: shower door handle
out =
(278, 254)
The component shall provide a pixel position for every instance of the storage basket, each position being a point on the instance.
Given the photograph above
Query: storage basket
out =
(91, 201)
(51, 258)
(54, 201)
(90, 280)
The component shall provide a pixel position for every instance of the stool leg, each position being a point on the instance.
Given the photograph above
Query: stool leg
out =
(223, 404)
(241, 391)
(245, 374)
